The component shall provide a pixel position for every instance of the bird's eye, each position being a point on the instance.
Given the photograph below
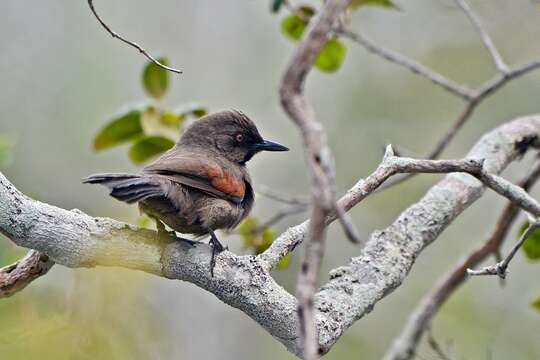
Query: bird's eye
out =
(239, 138)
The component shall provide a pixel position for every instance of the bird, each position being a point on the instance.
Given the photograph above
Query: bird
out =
(201, 184)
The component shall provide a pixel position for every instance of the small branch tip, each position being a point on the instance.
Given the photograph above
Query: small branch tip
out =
(130, 43)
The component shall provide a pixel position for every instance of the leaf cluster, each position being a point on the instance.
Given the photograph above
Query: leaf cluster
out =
(150, 129)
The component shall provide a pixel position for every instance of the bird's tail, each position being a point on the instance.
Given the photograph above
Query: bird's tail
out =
(129, 188)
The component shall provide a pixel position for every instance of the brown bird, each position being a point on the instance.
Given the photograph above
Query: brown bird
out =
(201, 184)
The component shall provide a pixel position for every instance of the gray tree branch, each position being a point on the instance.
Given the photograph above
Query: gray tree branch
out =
(75, 239)
(15, 277)
(420, 320)
(320, 164)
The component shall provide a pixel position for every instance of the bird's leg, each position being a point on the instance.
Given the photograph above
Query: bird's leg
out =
(217, 247)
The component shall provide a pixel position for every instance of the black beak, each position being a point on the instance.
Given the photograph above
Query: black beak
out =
(270, 146)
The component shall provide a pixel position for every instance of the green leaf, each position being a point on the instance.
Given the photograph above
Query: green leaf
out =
(531, 246)
(120, 130)
(245, 229)
(536, 304)
(331, 56)
(254, 237)
(192, 109)
(284, 262)
(144, 222)
(171, 119)
(149, 147)
(200, 112)
(258, 240)
(156, 79)
(266, 239)
(293, 25)
(355, 4)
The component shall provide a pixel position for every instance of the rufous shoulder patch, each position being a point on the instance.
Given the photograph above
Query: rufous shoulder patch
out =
(214, 171)
(226, 183)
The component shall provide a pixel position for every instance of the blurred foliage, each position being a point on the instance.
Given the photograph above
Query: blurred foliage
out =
(5, 151)
(149, 147)
(531, 246)
(150, 129)
(332, 53)
(95, 321)
(144, 221)
(294, 24)
(258, 238)
(536, 304)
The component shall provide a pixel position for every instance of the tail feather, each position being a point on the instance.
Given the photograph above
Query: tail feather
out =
(106, 179)
(129, 188)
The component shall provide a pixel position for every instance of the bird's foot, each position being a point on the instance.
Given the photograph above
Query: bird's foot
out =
(217, 248)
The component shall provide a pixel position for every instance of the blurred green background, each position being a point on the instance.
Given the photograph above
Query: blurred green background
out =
(63, 78)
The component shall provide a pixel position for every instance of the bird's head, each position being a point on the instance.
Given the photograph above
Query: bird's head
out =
(229, 133)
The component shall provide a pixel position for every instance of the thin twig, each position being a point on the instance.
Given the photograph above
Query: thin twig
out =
(130, 43)
(500, 268)
(280, 197)
(443, 142)
(447, 138)
(283, 213)
(486, 39)
(421, 318)
(489, 87)
(436, 347)
(410, 64)
(347, 224)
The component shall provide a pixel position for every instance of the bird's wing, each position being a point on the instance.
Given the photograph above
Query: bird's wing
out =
(202, 174)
